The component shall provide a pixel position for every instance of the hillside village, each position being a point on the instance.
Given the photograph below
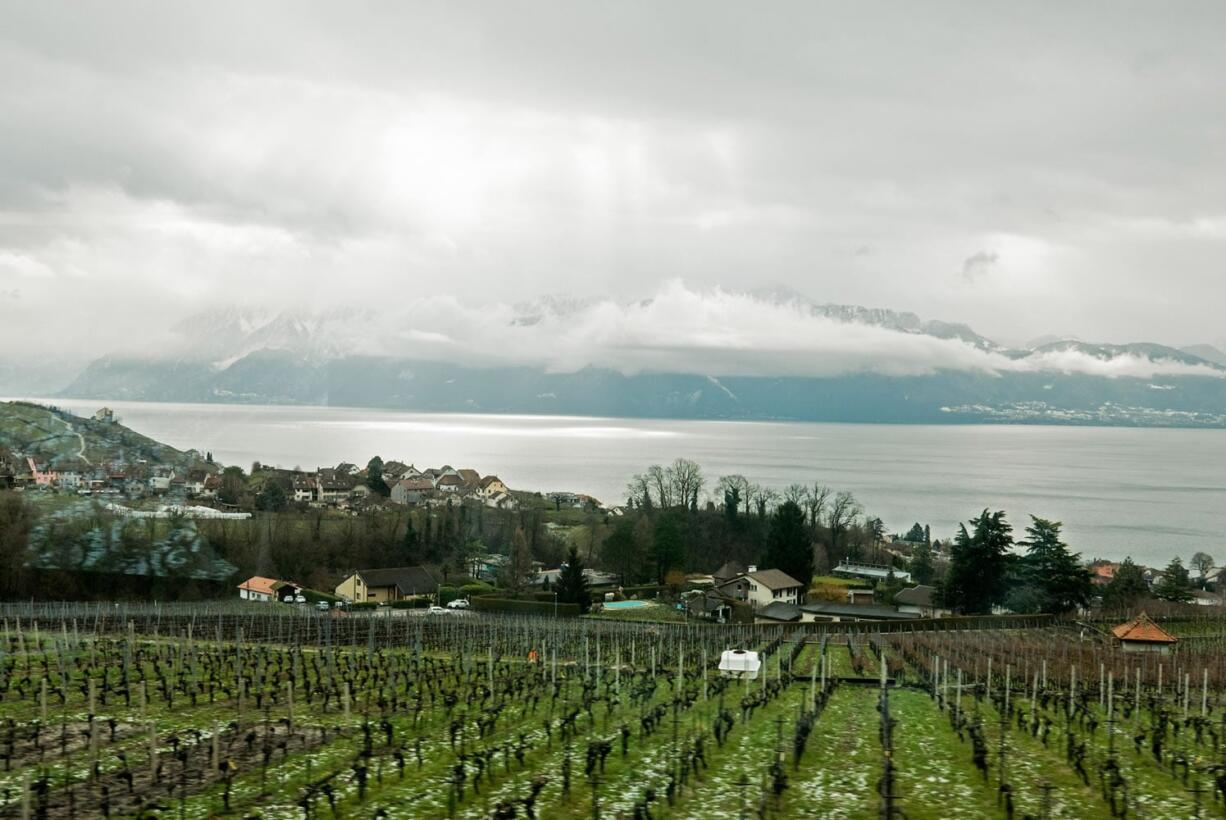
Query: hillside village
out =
(44, 449)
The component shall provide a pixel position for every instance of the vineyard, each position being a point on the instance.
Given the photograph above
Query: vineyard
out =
(192, 713)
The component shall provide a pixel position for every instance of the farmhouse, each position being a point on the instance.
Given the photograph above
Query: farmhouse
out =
(1141, 634)
(384, 585)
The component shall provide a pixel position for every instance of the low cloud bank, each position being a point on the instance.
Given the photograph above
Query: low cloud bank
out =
(679, 330)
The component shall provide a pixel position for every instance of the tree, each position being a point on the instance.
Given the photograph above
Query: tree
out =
(788, 547)
(662, 483)
(815, 504)
(668, 547)
(978, 565)
(638, 492)
(1174, 584)
(411, 546)
(922, 568)
(374, 477)
(1127, 586)
(687, 481)
(1059, 581)
(17, 518)
(517, 570)
(915, 534)
(233, 481)
(876, 530)
(1202, 562)
(272, 497)
(572, 584)
(732, 502)
(795, 493)
(843, 513)
(620, 551)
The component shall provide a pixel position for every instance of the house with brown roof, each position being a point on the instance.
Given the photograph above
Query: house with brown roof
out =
(761, 588)
(305, 489)
(411, 490)
(492, 485)
(920, 602)
(449, 483)
(1141, 634)
(389, 584)
(471, 479)
(730, 570)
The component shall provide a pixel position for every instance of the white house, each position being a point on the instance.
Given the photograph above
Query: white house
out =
(305, 489)
(258, 588)
(762, 588)
(160, 482)
(449, 483)
(500, 501)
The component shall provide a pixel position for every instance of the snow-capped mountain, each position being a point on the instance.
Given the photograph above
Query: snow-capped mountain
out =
(222, 336)
(770, 354)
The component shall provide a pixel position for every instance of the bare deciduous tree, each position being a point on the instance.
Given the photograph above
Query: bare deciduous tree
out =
(796, 494)
(686, 479)
(659, 480)
(815, 503)
(844, 510)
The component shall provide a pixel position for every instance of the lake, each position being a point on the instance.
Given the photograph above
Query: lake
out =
(1148, 493)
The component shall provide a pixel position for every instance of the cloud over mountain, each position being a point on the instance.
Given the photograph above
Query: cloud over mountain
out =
(679, 329)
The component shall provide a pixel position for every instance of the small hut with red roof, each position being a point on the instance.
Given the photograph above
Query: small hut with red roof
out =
(1141, 634)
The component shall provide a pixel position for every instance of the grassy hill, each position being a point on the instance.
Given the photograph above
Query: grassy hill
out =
(56, 437)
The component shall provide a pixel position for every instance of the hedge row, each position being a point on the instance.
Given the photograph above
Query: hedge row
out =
(447, 594)
(420, 602)
(490, 603)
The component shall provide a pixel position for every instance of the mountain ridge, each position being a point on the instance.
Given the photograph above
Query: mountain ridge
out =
(334, 357)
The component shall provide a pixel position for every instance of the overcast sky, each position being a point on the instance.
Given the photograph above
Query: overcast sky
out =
(1028, 169)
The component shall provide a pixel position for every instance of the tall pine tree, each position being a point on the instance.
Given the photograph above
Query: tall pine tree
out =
(572, 584)
(1056, 580)
(978, 565)
(1126, 588)
(788, 547)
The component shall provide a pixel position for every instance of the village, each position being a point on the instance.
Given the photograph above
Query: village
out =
(202, 481)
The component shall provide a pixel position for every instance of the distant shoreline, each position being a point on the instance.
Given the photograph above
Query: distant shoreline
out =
(952, 422)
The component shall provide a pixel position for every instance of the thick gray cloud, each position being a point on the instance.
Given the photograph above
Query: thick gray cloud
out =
(157, 158)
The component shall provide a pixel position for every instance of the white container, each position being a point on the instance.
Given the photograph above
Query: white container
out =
(739, 663)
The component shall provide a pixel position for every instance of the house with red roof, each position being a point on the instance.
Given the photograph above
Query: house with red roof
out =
(1141, 634)
(258, 588)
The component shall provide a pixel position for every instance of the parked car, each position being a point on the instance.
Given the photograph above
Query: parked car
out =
(458, 603)
(323, 606)
(436, 610)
